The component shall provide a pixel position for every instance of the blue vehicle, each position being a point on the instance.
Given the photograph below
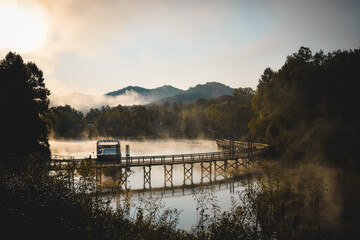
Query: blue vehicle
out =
(108, 150)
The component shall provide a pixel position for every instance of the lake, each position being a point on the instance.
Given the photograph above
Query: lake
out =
(221, 186)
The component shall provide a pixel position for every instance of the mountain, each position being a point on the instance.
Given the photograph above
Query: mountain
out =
(171, 94)
(151, 94)
(122, 91)
(207, 91)
(137, 95)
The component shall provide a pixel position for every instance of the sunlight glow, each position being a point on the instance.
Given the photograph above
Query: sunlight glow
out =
(22, 27)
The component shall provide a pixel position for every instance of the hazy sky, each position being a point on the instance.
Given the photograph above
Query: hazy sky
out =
(96, 46)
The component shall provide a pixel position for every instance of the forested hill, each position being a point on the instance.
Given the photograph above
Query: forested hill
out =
(171, 94)
(156, 93)
(206, 91)
(308, 108)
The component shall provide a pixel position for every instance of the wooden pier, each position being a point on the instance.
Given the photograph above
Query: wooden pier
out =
(213, 164)
(237, 150)
(141, 161)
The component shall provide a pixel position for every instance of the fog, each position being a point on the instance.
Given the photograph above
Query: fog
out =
(84, 102)
(84, 148)
(186, 203)
(315, 185)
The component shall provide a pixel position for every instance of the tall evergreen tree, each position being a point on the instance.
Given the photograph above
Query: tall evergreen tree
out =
(24, 105)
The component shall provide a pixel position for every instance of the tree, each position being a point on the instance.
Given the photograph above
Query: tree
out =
(307, 109)
(189, 124)
(68, 122)
(229, 118)
(24, 105)
(139, 121)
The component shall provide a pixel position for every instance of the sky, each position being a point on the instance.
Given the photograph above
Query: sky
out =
(97, 46)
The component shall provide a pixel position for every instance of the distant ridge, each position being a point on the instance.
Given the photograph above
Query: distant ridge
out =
(207, 91)
(171, 94)
(134, 95)
(122, 91)
(153, 94)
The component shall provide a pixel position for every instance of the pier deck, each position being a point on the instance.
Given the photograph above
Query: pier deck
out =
(240, 151)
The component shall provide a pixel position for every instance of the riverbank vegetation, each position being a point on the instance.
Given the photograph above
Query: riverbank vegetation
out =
(304, 201)
(35, 204)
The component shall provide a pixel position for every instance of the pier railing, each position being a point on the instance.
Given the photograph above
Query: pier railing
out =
(232, 150)
(180, 158)
(134, 161)
(213, 164)
(227, 144)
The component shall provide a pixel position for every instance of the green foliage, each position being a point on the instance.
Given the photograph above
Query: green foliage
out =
(24, 105)
(122, 121)
(284, 203)
(229, 119)
(307, 108)
(35, 204)
(68, 122)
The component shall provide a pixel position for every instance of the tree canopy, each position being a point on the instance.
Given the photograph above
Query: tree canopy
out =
(307, 108)
(24, 105)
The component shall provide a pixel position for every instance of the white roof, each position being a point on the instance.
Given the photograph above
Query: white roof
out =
(105, 141)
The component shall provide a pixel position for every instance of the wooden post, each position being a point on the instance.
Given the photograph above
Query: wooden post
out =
(205, 171)
(127, 150)
(147, 176)
(98, 178)
(168, 175)
(188, 173)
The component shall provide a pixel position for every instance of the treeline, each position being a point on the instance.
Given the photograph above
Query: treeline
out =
(226, 116)
(308, 108)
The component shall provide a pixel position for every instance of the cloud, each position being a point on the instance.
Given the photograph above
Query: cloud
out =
(84, 102)
(97, 46)
(110, 34)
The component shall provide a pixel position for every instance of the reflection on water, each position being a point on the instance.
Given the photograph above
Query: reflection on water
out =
(179, 196)
(177, 193)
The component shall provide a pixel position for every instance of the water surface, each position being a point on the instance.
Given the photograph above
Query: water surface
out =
(180, 198)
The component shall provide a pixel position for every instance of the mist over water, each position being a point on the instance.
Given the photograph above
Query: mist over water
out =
(183, 202)
(84, 102)
(84, 148)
